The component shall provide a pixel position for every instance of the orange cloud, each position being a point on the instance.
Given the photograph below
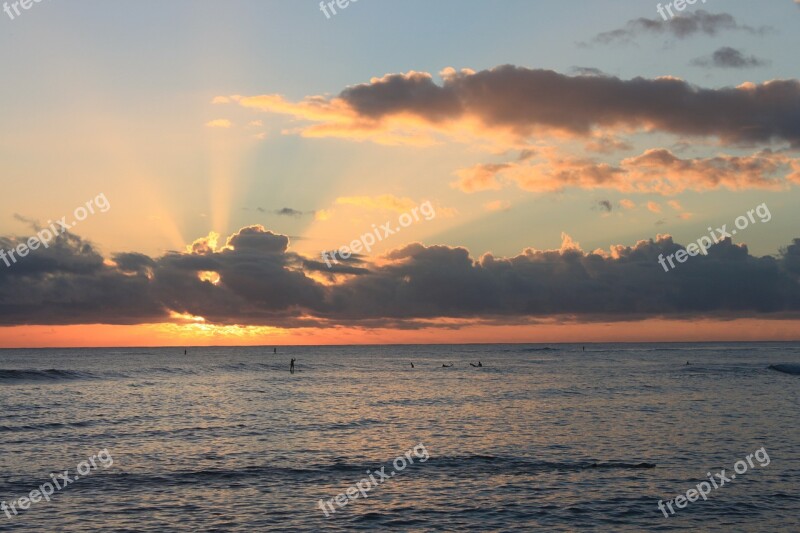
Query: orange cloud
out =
(497, 205)
(653, 207)
(480, 178)
(654, 171)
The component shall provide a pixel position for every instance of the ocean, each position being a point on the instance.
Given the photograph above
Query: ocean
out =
(539, 438)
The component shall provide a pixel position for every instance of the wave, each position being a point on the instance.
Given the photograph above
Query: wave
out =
(525, 464)
(48, 426)
(44, 375)
(169, 371)
(475, 465)
(787, 369)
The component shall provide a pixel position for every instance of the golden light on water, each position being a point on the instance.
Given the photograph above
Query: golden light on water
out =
(201, 330)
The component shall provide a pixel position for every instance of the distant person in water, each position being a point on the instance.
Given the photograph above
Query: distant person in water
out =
(480, 364)
(291, 366)
(185, 352)
(274, 350)
(584, 348)
(412, 365)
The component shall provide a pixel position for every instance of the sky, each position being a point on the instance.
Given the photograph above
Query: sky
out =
(498, 171)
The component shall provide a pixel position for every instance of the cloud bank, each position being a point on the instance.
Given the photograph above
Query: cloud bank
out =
(254, 279)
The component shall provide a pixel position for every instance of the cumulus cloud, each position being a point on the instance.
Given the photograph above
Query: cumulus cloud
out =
(682, 26)
(509, 105)
(255, 279)
(727, 57)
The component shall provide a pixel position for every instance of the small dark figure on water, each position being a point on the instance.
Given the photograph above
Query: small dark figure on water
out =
(291, 366)
(584, 348)
(687, 363)
(274, 350)
(412, 365)
(447, 366)
(185, 352)
(476, 366)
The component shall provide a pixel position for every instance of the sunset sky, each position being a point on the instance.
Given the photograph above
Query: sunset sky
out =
(564, 146)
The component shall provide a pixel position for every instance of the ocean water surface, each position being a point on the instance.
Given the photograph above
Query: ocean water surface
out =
(539, 438)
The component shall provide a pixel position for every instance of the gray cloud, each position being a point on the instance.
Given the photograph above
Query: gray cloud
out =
(680, 27)
(285, 212)
(261, 282)
(524, 99)
(289, 212)
(727, 57)
(587, 71)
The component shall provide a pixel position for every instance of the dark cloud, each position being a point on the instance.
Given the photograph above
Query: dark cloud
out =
(261, 282)
(31, 223)
(587, 71)
(727, 57)
(605, 205)
(525, 100)
(286, 212)
(395, 94)
(70, 283)
(427, 282)
(289, 212)
(680, 27)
